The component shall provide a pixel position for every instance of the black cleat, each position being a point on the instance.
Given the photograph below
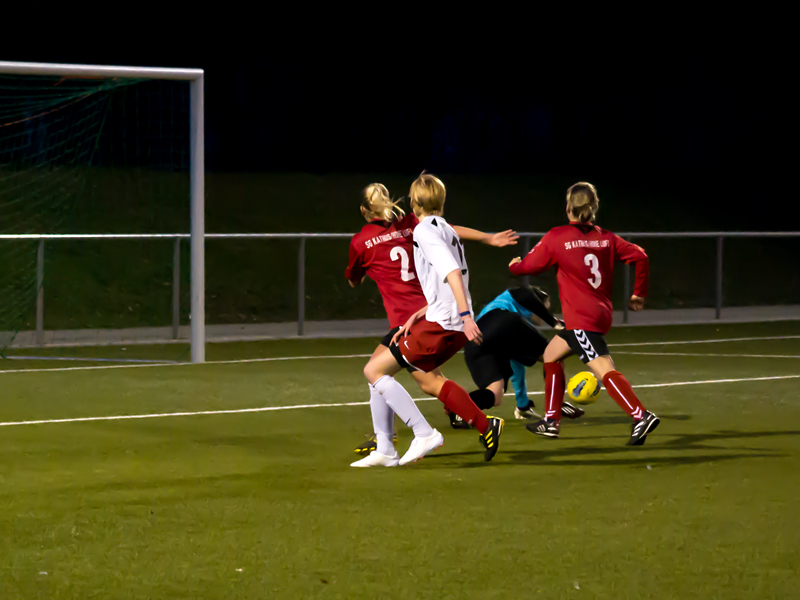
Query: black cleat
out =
(571, 411)
(370, 445)
(457, 422)
(546, 428)
(642, 427)
(491, 439)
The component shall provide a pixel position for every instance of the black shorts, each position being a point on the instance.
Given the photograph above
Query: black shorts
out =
(587, 345)
(506, 336)
(387, 339)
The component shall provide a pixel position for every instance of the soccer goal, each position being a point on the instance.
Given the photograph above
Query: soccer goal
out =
(101, 176)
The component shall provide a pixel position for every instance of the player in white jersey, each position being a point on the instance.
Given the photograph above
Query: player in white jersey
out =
(429, 339)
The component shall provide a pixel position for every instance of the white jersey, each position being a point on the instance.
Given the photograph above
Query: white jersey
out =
(437, 253)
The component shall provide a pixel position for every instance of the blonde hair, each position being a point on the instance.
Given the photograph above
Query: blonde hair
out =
(583, 202)
(377, 203)
(428, 194)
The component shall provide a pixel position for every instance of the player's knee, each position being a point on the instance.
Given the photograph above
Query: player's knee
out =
(498, 398)
(371, 372)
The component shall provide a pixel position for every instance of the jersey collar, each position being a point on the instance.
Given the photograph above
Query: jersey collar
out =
(583, 227)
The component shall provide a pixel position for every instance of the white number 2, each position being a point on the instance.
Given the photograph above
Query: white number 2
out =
(590, 260)
(399, 253)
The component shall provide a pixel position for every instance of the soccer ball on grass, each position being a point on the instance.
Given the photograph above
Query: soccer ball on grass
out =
(583, 388)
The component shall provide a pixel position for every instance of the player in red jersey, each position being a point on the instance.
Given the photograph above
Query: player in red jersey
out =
(584, 255)
(429, 338)
(384, 251)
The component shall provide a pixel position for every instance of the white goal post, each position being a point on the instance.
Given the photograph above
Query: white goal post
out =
(196, 160)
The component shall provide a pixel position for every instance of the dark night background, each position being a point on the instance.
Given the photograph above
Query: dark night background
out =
(696, 110)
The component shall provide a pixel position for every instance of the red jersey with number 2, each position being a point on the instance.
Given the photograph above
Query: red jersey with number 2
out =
(584, 255)
(385, 252)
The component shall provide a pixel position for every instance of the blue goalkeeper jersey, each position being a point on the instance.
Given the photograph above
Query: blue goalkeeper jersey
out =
(505, 302)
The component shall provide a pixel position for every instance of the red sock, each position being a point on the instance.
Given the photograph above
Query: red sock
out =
(554, 386)
(457, 400)
(621, 391)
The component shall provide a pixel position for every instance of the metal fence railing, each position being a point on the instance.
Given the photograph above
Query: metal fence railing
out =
(526, 238)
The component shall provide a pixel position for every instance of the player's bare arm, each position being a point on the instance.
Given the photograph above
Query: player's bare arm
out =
(408, 324)
(456, 282)
(501, 239)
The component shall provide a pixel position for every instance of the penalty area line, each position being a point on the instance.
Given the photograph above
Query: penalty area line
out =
(234, 411)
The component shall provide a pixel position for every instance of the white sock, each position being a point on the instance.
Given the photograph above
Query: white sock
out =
(382, 422)
(401, 403)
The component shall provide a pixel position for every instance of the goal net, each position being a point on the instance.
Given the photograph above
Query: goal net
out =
(95, 177)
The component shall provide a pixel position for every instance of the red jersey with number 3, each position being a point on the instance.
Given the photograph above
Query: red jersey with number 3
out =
(385, 252)
(584, 255)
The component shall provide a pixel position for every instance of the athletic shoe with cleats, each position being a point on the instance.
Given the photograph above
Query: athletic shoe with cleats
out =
(370, 445)
(546, 428)
(491, 439)
(571, 411)
(642, 427)
(420, 446)
(526, 413)
(457, 422)
(376, 459)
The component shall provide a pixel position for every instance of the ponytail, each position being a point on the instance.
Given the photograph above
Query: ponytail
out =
(378, 204)
(583, 201)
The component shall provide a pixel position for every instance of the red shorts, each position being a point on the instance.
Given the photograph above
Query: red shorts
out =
(427, 346)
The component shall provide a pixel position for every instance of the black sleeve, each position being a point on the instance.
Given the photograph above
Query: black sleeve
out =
(528, 298)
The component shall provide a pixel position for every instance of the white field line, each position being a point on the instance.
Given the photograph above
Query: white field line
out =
(714, 355)
(742, 339)
(174, 364)
(302, 406)
(284, 358)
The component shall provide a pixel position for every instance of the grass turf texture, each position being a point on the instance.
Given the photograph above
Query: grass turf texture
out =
(265, 505)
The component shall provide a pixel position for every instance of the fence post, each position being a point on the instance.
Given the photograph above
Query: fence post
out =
(176, 288)
(301, 286)
(718, 311)
(40, 294)
(626, 291)
(526, 247)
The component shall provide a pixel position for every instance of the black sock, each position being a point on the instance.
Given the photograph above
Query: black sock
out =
(483, 399)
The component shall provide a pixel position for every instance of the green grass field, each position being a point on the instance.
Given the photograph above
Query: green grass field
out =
(264, 505)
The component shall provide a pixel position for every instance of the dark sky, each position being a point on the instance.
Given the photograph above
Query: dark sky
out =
(668, 99)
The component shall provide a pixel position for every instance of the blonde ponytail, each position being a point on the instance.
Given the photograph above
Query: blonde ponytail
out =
(377, 204)
(583, 202)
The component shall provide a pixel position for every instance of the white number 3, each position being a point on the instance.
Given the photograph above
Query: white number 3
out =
(399, 253)
(590, 260)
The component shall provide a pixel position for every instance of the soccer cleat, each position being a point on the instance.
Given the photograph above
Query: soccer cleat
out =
(546, 428)
(370, 445)
(571, 411)
(642, 427)
(376, 459)
(491, 439)
(526, 413)
(420, 446)
(457, 422)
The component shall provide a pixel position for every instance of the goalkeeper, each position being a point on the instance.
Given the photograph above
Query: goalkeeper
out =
(511, 343)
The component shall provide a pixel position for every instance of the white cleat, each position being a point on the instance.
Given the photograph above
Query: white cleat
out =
(376, 459)
(420, 446)
(526, 413)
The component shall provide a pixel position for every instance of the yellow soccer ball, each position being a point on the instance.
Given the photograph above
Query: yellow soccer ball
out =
(583, 388)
